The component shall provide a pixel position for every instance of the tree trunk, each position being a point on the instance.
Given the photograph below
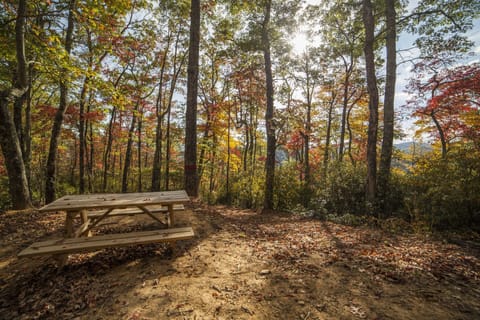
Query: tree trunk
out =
(190, 165)
(108, 149)
(326, 154)
(157, 157)
(12, 154)
(227, 182)
(270, 128)
(346, 85)
(58, 120)
(167, 151)
(350, 136)
(139, 151)
(91, 157)
(388, 106)
(27, 133)
(82, 135)
(173, 85)
(109, 142)
(128, 152)
(371, 184)
(443, 140)
(308, 128)
(9, 139)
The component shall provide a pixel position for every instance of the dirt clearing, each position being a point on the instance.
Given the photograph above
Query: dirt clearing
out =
(241, 265)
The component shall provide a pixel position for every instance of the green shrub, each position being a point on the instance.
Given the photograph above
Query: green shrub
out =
(288, 187)
(343, 191)
(445, 193)
(247, 189)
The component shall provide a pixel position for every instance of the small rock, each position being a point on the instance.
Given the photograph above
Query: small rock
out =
(301, 302)
(264, 272)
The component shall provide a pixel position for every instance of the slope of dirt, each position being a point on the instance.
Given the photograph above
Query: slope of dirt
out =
(240, 265)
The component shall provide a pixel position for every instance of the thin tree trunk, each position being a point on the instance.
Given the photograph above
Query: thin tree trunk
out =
(228, 157)
(27, 140)
(167, 151)
(58, 120)
(81, 130)
(157, 157)
(73, 164)
(91, 158)
(270, 128)
(388, 106)
(371, 184)
(326, 154)
(346, 85)
(173, 85)
(108, 149)
(190, 166)
(109, 142)
(443, 140)
(350, 136)
(139, 151)
(128, 152)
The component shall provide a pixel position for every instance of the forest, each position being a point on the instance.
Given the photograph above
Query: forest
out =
(324, 157)
(124, 96)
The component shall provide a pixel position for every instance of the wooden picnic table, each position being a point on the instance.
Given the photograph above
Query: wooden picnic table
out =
(83, 205)
(93, 208)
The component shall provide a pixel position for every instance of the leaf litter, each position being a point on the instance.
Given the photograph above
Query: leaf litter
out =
(241, 265)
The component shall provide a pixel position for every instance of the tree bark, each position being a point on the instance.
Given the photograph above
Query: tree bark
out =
(388, 105)
(371, 183)
(12, 154)
(139, 151)
(108, 149)
(82, 135)
(326, 154)
(190, 165)
(157, 157)
(58, 120)
(441, 134)
(310, 88)
(346, 85)
(9, 137)
(270, 128)
(128, 152)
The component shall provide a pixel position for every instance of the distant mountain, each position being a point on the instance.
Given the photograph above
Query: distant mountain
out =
(408, 147)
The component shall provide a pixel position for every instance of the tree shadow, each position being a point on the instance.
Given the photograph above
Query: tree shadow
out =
(37, 288)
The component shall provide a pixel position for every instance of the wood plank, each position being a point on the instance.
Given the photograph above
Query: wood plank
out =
(114, 200)
(133, 211)
(113, 236)
(106, 241)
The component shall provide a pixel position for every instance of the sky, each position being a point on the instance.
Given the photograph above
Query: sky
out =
(405, 41)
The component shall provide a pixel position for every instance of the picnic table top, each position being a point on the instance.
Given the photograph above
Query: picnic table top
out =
(116, 200)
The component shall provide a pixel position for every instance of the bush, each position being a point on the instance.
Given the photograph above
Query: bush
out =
(343, 191)
(247, 189)
(288, 187)
(445, 193)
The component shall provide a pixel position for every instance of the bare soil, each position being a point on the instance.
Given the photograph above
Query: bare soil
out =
(241, 265)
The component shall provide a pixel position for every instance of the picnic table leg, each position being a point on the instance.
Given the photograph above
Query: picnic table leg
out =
(62, 259)
(84, 218)
(69, 224)
(170, 219)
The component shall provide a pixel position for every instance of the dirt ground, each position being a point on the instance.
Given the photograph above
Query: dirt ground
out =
(241, 265)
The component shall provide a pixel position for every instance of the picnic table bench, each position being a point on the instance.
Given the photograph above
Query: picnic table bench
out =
(94, 208)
